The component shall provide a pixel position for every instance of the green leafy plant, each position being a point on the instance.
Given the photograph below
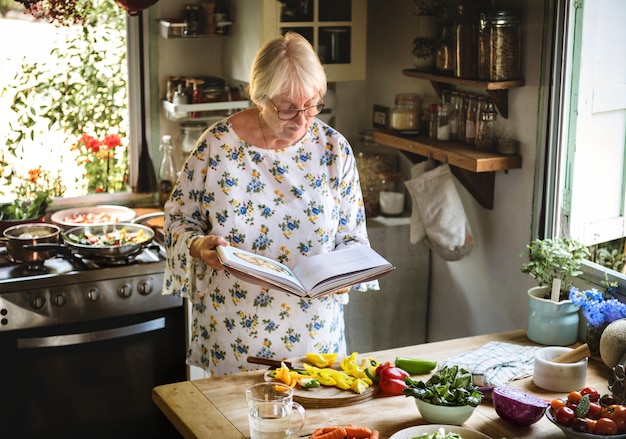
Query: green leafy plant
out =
(553, 258)
(82, 89)
(424, 47)
(60, 12)
(429, 7)
(33, 196)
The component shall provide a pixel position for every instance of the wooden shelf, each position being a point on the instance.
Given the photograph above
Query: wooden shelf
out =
(474, 169)
(498, 91)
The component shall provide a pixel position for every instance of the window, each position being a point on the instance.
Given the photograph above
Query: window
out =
(87, 139)
(585, 172)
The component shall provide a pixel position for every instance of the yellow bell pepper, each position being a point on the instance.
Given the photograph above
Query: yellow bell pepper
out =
(322, 360)
(360, 386)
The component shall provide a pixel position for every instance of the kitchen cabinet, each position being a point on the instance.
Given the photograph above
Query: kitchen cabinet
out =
(473, 168)
(335, 28)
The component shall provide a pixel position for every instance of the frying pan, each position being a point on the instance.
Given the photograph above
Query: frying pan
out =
(109, 253)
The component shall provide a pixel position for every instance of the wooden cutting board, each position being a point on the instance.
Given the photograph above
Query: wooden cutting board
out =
(327, 397)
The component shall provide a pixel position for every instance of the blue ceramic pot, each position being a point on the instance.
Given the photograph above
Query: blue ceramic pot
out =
(551, 323)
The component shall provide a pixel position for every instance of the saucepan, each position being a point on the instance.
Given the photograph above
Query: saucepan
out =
(113, 242)
(17, 238)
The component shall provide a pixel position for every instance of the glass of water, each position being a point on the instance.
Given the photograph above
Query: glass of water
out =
(272, 413)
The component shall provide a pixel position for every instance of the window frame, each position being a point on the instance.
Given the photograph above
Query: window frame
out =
(562, 57)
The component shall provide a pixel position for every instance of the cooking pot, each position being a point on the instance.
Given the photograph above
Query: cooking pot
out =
(18, 237)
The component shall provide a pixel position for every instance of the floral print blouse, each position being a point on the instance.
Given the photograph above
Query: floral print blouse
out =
(285, 204)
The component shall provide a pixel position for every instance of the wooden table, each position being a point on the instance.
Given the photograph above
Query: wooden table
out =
(216, 407)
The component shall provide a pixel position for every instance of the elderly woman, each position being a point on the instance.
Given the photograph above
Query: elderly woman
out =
(277, 181)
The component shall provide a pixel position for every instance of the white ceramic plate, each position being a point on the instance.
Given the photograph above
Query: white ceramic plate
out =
(411, 432)
(573, 434)
(84, 216)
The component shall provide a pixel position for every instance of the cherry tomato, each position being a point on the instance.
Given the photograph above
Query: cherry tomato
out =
(595, 411)
(605, 426)
(606, 400)
(593, 393)
(565, 416)
(557, 403)
(580, 424)
(591, 425)
(574, 397)
(617, 413)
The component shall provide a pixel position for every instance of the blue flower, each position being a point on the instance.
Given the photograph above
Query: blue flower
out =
(598, 309)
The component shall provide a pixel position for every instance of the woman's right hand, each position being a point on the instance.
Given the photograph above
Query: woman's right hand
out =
(204, 248)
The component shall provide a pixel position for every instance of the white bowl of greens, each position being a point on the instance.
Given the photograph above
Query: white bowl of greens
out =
(434, 431)
(448, 397)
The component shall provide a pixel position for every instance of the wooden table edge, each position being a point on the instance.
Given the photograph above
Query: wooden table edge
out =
(190, 411)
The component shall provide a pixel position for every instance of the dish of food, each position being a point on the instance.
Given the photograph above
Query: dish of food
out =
(113, 238)
(444, 432)
(573, 434)
(103, 214)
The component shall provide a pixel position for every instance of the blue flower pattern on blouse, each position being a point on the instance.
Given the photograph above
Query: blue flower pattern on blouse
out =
(284, 204)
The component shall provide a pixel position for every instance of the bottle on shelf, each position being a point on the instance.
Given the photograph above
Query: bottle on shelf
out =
(433, 124)
(463, 100)
(167, 170)
(454, 115)
(470, 121)
(197, 96)
(179, 98)
(443, 118)
(486, 131)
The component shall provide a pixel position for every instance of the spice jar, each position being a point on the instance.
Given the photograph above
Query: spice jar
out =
(433, 124)
(486, 131)
(443, 119)
(470, 120)
(407, 113)
(499, 46)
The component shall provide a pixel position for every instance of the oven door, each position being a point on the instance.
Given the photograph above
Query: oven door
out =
(92, 379)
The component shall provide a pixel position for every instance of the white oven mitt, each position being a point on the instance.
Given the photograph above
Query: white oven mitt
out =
(447, 230)
(417, 232)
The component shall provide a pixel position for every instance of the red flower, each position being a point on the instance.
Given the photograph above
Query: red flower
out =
(112, 140)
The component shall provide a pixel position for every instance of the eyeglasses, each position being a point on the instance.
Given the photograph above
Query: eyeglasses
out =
(293, 113)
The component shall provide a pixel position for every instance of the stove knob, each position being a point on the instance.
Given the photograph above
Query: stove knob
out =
(144, 287)
(125, 290)
(93, 294)
(37, 302)
(59, 299)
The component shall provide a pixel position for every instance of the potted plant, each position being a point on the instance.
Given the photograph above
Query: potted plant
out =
(32, 197)
(424, 52)
(554, 263)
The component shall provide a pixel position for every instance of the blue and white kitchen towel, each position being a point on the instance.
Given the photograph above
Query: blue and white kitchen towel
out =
(496, 363)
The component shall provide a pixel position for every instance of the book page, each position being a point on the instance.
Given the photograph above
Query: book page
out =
(340, 268)
(259, 267)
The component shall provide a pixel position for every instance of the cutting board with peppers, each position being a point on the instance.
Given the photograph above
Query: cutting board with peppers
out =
(324, 396)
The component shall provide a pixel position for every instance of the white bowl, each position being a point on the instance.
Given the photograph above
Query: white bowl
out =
(558, 377)
(444, 414)
(411, 432)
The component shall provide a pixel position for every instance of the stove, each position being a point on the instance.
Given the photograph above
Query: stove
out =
(83, 344)
(73, 289)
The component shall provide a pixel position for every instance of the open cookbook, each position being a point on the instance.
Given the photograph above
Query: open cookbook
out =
(314, 276)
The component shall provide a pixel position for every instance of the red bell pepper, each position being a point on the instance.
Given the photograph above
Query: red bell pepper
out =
(391, 379)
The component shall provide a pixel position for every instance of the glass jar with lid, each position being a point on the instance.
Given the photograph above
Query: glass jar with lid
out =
(499, 46)
(407, 114)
